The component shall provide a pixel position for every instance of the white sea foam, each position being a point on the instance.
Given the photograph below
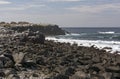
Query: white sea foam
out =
(73, 34)
(109, 32)
(115, 45)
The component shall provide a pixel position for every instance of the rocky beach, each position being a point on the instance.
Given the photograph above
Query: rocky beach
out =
(27, 55)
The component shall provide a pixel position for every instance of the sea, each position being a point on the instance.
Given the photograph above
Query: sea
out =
(100, 37)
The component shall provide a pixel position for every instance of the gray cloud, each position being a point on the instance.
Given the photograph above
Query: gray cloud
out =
(21, 7)
(4, 2)
(96, 8)
(64, 0)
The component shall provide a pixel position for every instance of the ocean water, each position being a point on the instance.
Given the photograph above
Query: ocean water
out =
(105, 34)
(99, 37)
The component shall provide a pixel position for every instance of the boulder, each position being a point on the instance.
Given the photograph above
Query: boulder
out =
(96, 76)
(94, 68)
(107, 75)
(9, 55)
(29, 63)
(80, 75)
(40, 61)
(6, 62)
(18, 58)
(69, 71)
(115, 69)
(116, 75)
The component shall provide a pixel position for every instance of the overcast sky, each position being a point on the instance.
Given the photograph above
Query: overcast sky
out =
(65, 13)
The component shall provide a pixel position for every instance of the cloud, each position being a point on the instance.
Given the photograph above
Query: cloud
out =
(96, 8)
(64, 0)
(21, 7)
(34, 5)
(4, 2)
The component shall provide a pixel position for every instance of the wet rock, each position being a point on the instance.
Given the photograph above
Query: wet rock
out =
(105, 48)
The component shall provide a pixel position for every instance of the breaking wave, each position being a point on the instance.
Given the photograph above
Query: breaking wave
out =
(114, 45)
(109, 32)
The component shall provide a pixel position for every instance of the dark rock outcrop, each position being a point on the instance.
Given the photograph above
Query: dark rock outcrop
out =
(46, 30)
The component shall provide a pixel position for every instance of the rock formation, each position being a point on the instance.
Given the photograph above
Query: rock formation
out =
(46, 30)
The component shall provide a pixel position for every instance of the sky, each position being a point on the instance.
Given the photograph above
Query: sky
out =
(65, 13)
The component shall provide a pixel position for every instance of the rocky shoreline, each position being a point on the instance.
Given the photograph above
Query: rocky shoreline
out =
(28, 55)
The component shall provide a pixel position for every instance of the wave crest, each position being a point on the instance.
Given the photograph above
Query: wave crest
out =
(109, 32)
